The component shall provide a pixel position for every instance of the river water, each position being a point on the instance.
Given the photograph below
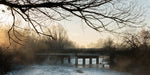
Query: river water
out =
(65, 69)
(62, 70)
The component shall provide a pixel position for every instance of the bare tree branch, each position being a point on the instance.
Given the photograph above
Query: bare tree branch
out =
(97, 14)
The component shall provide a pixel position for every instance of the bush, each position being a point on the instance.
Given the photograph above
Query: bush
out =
(137, 62)
(5, 61)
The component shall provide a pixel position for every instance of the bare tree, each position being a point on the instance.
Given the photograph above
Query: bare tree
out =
(61, 38)
(98, 14)
(138, 40)
(109, 44)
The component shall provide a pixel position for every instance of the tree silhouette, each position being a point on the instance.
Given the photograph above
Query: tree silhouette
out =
(61, 38)
(100, 15)
(138, 40)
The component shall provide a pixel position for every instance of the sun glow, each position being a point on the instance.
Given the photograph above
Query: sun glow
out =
(3, 38)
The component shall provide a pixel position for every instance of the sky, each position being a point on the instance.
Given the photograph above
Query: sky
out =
(79, 32)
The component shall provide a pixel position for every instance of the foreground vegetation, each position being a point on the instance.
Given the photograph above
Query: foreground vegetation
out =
(5, 61)
(137, 61)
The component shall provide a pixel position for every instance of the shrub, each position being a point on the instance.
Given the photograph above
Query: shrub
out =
(5, 61)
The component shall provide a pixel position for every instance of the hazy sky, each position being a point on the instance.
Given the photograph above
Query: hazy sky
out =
(81, 33)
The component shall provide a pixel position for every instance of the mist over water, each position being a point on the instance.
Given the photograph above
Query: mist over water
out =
(66, 69)
(62, 70)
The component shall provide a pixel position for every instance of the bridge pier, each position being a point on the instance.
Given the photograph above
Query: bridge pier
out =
(62, 60)
(69, 59)
(76, 60)
(90, 61)
(97, 60)
(83, 60)
(111, 60)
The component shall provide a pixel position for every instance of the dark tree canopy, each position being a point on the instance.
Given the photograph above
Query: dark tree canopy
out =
(100, 15)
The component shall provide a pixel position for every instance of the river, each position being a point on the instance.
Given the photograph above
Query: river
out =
(67, 69)
(62, 70)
